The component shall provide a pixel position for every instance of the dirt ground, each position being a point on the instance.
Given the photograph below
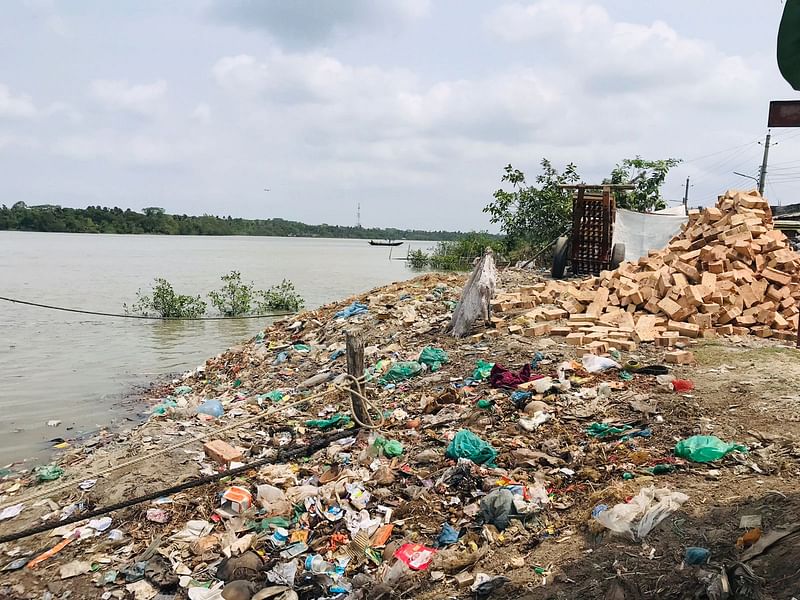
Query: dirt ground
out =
(746, 392)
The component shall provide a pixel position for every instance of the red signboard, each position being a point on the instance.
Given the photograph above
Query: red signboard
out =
(784, 113)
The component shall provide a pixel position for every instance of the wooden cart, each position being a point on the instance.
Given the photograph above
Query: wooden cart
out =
(588, 247)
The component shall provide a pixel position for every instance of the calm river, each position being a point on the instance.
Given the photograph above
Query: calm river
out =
(77, 369)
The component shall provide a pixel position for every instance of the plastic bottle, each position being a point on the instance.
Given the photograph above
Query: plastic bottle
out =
(316, 564)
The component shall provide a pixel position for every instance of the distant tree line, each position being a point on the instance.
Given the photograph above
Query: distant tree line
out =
(154, 220)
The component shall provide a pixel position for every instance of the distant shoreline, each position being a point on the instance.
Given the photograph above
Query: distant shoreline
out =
(155, 221)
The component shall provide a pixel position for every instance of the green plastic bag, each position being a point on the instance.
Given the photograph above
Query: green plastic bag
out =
(167, 403)
(391, 448)
(48, 472)
(182, 390)
(705, 448)
(400, 372)
(482, 370)
(603, 430)
(275, 396)
(433, 357)
(468, 445)
(328, 423)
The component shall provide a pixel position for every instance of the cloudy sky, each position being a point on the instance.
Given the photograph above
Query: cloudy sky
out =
(410, 107)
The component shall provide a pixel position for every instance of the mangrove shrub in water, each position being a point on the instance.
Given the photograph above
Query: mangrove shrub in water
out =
(164, 302)
(233, 299)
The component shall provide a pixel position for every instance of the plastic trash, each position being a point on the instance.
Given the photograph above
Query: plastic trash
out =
(48, 472)
(449, 535)
(696, 556)
(482, 370)
(317, 564)
(163, 407)
(157, 515)
(336, 420)
(275, 396)
(682, 385)
(540, 418)
(705, 448)
(597, 364)
(182, 390)
(212, 408)
(401, 371)
(466, 444)
(647, 509)
(416, 556)
(390, 448)
(433, 357)
(604, 430)
(497, 508)
(11, 512)
(485, 585)
(281, 358)
(356, 308)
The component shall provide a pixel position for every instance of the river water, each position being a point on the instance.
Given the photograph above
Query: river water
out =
(78, 369)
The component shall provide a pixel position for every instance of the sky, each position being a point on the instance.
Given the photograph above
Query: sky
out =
(409, 107)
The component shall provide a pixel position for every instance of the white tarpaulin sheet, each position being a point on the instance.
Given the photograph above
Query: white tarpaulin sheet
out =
(642, 232)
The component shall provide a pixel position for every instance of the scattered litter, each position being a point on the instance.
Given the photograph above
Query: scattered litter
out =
(705, 448)
(644, 512)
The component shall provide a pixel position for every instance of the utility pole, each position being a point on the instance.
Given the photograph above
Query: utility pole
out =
(686, 198)
(358, 216)
(762, 176)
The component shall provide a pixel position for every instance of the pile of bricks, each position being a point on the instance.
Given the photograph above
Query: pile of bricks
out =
(727, 272)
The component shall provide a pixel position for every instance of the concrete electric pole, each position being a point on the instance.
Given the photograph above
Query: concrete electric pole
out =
(686, 198)
(762, 176)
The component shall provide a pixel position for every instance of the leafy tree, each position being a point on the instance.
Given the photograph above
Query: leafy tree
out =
(647, 176)
(530, 214)
(166, 303)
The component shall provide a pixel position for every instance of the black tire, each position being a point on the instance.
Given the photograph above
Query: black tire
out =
(560, 255)
(617, 255)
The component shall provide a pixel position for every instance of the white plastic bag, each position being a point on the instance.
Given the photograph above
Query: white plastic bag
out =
(597, 364)
(650, 506)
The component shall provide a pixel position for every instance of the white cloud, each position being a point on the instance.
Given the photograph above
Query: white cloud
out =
(201, 112)
(137, 149)
(15, 106)
(117, 94)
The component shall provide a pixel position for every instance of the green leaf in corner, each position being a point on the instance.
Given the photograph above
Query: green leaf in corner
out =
(789, 44)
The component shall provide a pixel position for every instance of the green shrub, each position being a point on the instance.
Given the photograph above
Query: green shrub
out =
(234, 298)
(164, 302)
(417, 259)
(460, 255)
(281, 297)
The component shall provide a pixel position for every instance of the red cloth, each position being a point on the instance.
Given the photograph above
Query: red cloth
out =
(500, 377)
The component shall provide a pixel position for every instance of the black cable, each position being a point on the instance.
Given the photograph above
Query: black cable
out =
(282, 456)
(123, 316)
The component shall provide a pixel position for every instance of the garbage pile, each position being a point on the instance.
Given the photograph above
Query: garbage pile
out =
(727, 272)
(483, 449)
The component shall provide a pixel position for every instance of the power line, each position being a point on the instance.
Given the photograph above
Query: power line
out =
(691, 160)
(124, 316)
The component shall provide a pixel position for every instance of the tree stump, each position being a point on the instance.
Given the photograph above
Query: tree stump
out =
(355, 368)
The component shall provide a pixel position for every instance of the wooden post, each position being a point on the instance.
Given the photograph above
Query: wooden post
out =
(355, 367)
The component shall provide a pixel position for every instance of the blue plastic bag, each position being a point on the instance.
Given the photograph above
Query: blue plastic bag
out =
(356, 308)
(211, 407)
